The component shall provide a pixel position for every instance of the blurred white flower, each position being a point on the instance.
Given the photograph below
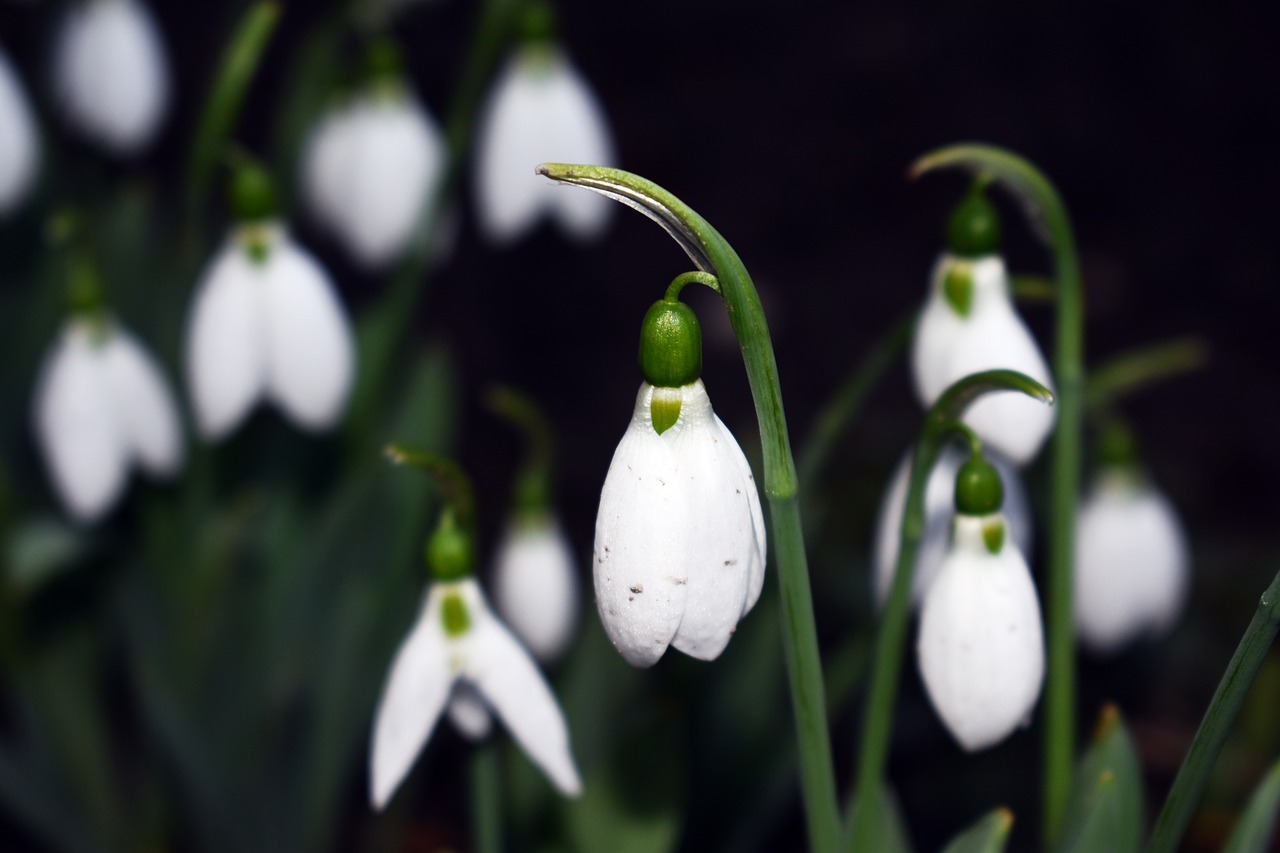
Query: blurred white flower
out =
(680, 540)
(266, 322)
(371, 165)
(939, 511)
(102, 404)
(535, 584)
(1132, 562)
(19, 145)
(969, 325)
(539, 110)
(110, 73)
(458, 645)
(981, 643)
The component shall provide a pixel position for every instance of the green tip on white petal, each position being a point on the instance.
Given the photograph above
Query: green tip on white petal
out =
(664, 408)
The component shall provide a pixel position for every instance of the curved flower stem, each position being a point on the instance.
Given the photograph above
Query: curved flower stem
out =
(533, 481)
(235, 73)
(1049, 215)
(1131, 371)
(711, 253)
(1180, 805)
(486, 798)
(678, 283)
(454, 484)
(941, 421)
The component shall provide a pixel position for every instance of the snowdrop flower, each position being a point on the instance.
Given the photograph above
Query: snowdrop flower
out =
(19, 148)
(459, 654)
(535, 584)
(680, 542)
(540, 109)
(370, 167)
(939, 511)
(1132, 561)
(266, 322)
(101, 405)
(969, 324)
(981, 643)
(111, 74)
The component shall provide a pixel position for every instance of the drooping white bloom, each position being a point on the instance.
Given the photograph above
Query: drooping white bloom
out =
(951, 344)
(939, 512)
(535, 585)
(111, 74)
(981, 644)
(445, 651)
(371, 165)
(1132, 562)
(540, 110)
(19, 149)
(268, 325)
(680, 543)
(102, 404)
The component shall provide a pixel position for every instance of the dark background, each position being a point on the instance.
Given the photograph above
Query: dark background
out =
(790, 128)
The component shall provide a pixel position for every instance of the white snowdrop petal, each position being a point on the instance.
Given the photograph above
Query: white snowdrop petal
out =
(415, 693)
(981, 643)
(75, 425)
(111, 72)
(145, 409)
(758, 554)
(508, 197)
(225, 344)
(1131, 564)
(579, 133)
(641, 576)
(511, 684)
(395, 160)
(324, 165)
(939, 512)
(468, 712)
(718, 528)
(535, 586)
(936, 332)
(19, 147)
(309, 348)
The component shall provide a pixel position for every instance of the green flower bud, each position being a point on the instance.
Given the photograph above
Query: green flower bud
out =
(252, 196)
(978, 488)
(537, 23)
(1117, 447)
(450, 551)
(383, 61)
(670, 345)
(974, 227)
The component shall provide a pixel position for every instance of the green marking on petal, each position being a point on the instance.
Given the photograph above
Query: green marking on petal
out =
(664, 408)
(257, 249)
(957, 287)
(456, 618)
(993, 535)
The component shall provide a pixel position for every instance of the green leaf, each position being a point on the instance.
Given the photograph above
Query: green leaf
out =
(1105, 811)
(880, 826)
(988, 835)
(39, 550)
(1257, 825)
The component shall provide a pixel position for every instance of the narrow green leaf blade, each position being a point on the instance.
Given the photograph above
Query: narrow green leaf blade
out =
(1254, 830)
(1105, 811)
(878, 820)
(988, 835)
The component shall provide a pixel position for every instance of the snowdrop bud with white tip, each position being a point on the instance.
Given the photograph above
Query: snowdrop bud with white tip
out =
(459, 654)
(19, 145)
(939, 511)
(540, 109)
(1132, 560)
(680, 543)
(101, 405)
(981, 641)
(266, 322)
(373, 163)
(111, 74)
(969, 324)
(535, 584)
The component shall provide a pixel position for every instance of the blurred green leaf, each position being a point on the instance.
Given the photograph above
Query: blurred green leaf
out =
(40, 550)
(988, 835)
(1105, 811)
(1254, 830)
(886, 827)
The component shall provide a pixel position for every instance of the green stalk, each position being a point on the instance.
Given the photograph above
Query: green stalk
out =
(941, 422)
(486, 798)
(1040, 197)
(1180, 805)
(712, 253)
(1136, 369)
(235, 73)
